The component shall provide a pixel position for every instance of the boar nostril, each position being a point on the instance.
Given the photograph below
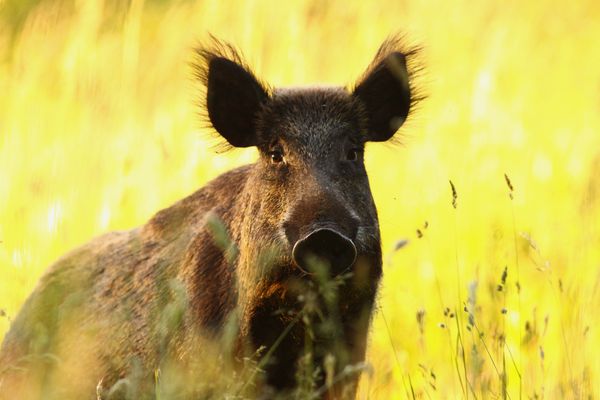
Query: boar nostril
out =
(325, 246)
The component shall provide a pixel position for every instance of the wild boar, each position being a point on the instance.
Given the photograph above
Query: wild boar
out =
(285, 253)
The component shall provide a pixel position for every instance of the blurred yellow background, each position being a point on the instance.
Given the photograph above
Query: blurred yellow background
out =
(99, 129)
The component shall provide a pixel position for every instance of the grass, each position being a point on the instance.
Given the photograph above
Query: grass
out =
(99, 130)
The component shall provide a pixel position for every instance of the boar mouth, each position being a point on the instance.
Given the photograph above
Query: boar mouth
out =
(324, 248)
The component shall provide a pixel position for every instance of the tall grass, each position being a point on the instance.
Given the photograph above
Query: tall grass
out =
(99, 129)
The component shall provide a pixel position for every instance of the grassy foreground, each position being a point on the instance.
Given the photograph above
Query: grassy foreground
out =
(495, 294)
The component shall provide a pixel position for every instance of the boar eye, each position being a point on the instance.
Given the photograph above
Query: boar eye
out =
(353, 155)
(276, 156)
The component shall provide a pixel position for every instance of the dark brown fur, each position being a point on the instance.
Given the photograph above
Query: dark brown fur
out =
(139, 300)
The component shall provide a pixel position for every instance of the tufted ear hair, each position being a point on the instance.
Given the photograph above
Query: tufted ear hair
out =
(385, 90)
(234, 96)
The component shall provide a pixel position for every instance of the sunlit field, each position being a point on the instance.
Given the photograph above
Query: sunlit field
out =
(489, 207)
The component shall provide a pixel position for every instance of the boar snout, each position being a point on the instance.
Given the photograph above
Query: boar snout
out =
(327, 247)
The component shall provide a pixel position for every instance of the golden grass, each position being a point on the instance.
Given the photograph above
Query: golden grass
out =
(99, 129)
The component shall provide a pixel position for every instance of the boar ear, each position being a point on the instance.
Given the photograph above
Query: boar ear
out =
(385, 92)
(234, 96)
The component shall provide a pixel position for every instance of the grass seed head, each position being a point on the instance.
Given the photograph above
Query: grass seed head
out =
(510, 186)
(454, 195)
